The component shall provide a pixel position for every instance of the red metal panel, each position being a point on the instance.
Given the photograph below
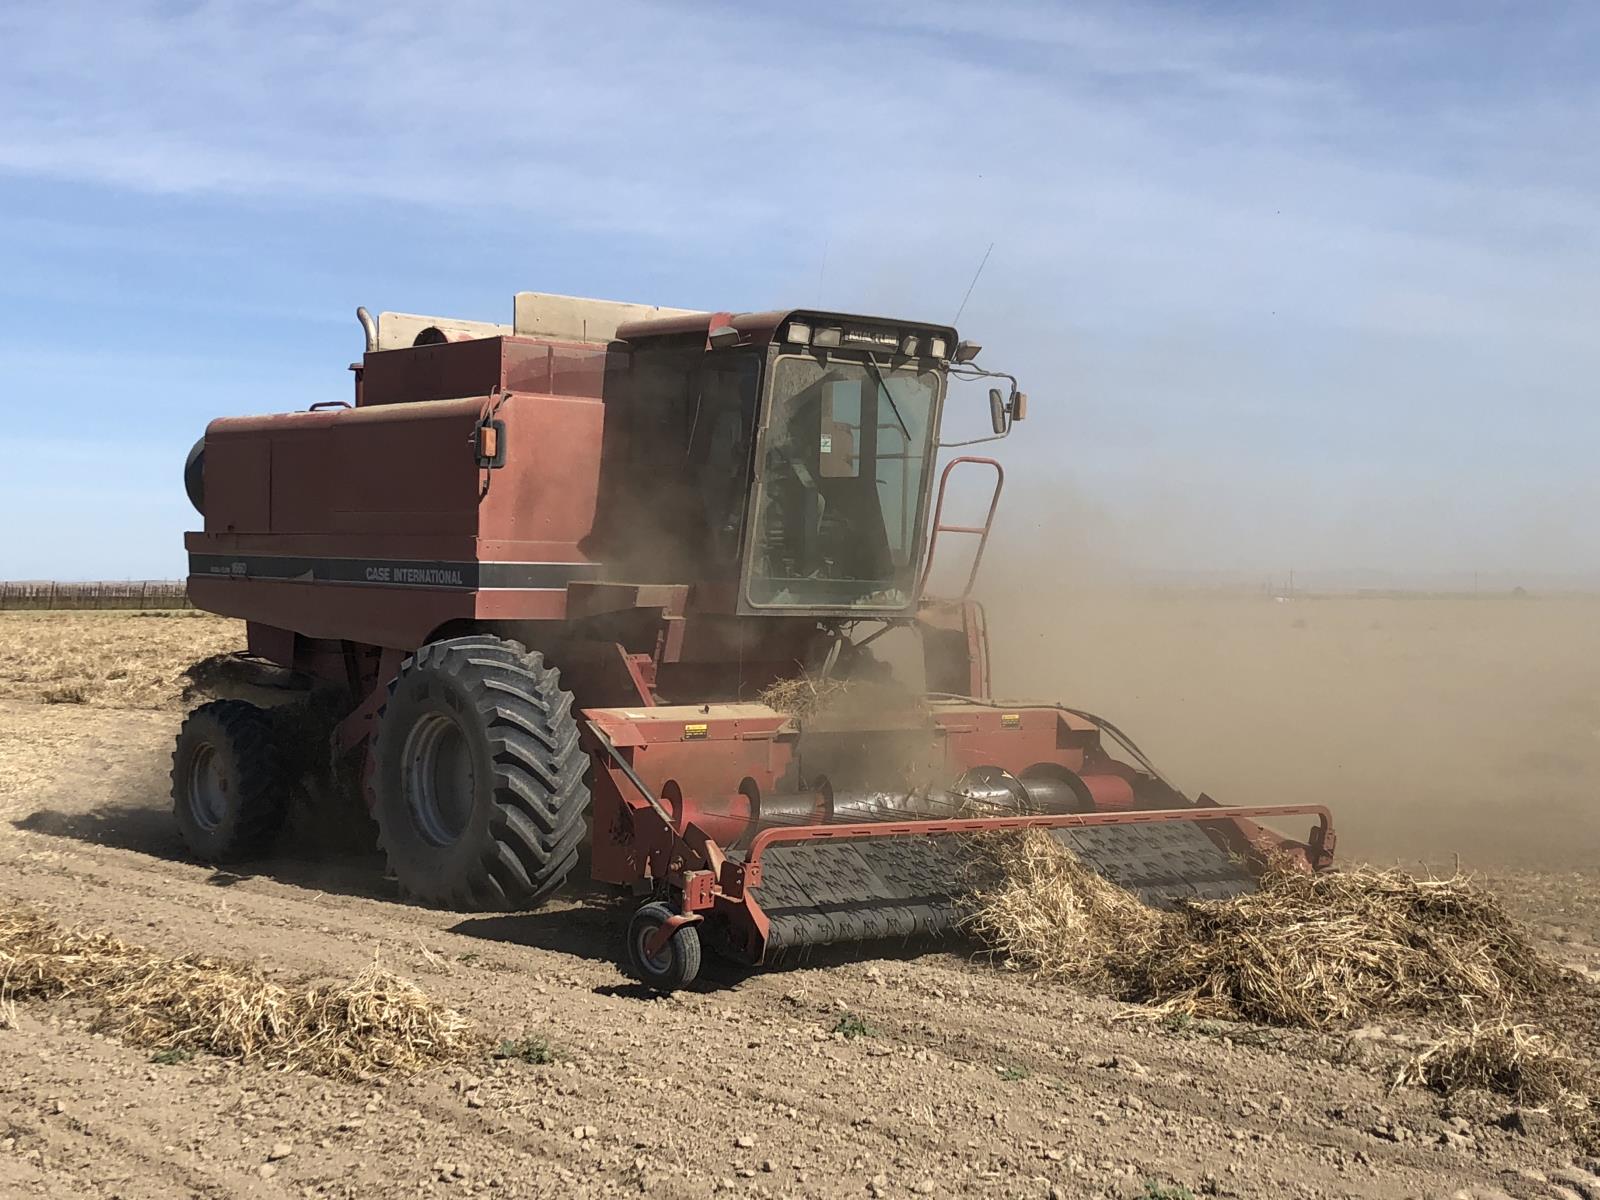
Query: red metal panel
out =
(392, 470)
(269, 642)
(696, 775)
(398, 617)
(454, 548)
(238, 482)
(576, 371)
(437, 372)
(1111, 793)
(480, 366)
(515, 604)
(672, 724)
(548, 491)
(987, 737)
(396, 484)
(401, 469)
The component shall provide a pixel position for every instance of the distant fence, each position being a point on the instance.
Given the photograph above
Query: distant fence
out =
(149, 593)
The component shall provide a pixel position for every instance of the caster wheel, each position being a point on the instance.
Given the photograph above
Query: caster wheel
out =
(676, 964)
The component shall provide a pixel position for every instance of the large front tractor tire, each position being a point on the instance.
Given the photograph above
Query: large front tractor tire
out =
(480, 793)
(230, 788)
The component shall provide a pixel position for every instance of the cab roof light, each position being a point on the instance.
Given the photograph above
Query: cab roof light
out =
(826, 337)
(937, 347)
(908, 346)
(798, 333)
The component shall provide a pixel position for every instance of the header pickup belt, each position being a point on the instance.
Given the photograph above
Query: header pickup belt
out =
(819, 893)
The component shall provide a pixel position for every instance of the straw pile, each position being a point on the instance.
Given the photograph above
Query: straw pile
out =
(1312, 951)
(1042, 911)
(1521, 1061)
(808, 696)
(375, 1022)
(1340, 948)
(1316, 951)
(802, 696)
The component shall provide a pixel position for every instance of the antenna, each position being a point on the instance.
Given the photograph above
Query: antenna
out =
(973, 284)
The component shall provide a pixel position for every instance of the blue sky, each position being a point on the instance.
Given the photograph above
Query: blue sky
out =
(1289, 285)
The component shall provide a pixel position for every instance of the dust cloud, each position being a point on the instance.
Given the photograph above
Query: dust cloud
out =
(1433, 725)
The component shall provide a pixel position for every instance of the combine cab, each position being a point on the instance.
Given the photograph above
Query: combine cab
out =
(549, 581)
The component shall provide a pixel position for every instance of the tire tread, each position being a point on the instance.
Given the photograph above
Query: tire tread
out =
(539, 765)
(245, 731)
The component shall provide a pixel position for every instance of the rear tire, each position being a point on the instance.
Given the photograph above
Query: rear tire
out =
(480, 778)
(676, 965)
(230, 791)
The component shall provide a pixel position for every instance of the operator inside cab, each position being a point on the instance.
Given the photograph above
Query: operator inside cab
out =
(842, 475)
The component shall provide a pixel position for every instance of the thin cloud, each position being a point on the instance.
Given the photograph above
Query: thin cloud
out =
(1322, 242)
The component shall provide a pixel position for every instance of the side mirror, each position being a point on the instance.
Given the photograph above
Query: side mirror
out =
(1019, 406)
(997, 411)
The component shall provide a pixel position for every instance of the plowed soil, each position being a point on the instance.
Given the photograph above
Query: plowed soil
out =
(959, 1079)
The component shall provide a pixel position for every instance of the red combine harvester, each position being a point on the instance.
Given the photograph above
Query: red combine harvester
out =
(543, 576)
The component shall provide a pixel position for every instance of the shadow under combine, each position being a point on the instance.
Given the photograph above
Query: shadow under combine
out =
(588, 920)
(590, 925)
(148, 830)
(596, 929)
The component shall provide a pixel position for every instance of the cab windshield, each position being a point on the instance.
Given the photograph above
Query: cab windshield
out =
(846, 452)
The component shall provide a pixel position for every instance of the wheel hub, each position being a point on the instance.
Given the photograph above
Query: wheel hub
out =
(659, 963)
(439, 780)
(208, 789)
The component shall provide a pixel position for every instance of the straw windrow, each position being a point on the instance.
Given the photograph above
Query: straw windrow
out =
(1339, 948)
(374, 1022)
(1318, 951)
(1042, 911)
(1519, 1060)
(1321, 952)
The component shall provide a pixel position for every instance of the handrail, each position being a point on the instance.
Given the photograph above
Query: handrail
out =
(982, 531)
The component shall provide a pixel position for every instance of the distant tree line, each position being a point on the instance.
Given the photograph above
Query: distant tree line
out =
(145, 593)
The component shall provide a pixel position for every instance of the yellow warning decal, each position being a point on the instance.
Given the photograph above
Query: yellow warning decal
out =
(691, 732)
(1010, 720)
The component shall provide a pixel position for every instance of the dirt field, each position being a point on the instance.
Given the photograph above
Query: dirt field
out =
(124, 659)
(1433, 726)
